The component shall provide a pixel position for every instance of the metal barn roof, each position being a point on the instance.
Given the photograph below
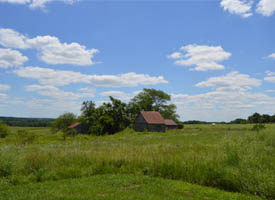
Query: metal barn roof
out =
(170, 122)
(74, 125)
(152, 117)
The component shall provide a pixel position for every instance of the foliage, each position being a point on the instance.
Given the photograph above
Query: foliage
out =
(255, 118)
(4, 131)
(115, 115)
(153, 100)
(63, 121)
(106, 119)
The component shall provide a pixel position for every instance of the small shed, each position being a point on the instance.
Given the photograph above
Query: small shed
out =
(79, 127)
(149, 121)
(170, 124)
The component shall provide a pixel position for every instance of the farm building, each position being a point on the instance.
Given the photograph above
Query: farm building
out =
(170, 124)
(150, 121)
(78, 127)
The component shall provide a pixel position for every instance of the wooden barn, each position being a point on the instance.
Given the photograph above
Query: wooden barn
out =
(149, 121)
(170, 124)
(78, 127)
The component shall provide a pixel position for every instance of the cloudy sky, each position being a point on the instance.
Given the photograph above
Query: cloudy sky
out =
(216, 58)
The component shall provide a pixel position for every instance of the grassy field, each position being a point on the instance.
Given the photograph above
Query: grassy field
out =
(228, 157)
(117, 187)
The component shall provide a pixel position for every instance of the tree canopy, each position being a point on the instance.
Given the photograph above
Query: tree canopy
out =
(116, 115)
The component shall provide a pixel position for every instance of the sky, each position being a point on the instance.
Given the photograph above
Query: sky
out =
(215, 58)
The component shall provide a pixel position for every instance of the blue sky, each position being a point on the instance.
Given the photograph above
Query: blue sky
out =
(215, 58)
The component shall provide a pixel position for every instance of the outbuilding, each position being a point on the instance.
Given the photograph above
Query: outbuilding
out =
(170, 124)
(149, 121)
(78, 127)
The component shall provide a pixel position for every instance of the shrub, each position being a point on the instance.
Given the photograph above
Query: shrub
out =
(258, 127)
(3, 130)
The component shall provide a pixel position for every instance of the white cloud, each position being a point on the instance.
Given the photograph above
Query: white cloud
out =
(4, 87)
(12, 39)
(270, 79)
(232, 81)
(52, 51)
(60, 78)
(54, 92)
(175, 55)
(270, 91)
(239, 7)
(203, 57)
(37, 3)
(15, 1)
(266, 7)
(11, 58)
(272, 56)
(3, 96)
(232, 98)
(120, 95)
(270, 76)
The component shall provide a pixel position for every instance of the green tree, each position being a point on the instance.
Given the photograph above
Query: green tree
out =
(63, 121)
(255, 118)
(153, 100)
(109, 118)
(265, 118)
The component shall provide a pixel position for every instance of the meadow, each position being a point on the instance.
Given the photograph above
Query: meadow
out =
(199, 161)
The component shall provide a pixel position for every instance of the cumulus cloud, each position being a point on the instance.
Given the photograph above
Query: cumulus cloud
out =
(54, 92)
(203, 57)
(239, 7)
(4, 87)
(270, 76)
(12, 39)
(11, 58)
(272, 56)
(60, 78)
(233, 97)
(266, 7)
(51, 50)
(232, 81)
(36, 3)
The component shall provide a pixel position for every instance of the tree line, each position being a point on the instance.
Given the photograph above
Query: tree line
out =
(255, 118)
(27, 122)
(115, 115)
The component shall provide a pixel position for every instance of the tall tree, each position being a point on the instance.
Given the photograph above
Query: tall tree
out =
(153, 100)
(63, 121)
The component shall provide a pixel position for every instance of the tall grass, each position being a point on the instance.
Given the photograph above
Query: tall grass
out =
(230, 157)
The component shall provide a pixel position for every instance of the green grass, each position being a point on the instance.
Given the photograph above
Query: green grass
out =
(228, 157)
(117, 187)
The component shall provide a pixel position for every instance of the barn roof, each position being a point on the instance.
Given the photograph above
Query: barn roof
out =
(152, 117)
(170, 122)
(74, 125)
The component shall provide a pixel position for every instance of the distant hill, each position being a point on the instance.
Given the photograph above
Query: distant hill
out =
(27, 122)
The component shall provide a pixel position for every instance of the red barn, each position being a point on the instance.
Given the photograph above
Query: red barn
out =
(149, 121)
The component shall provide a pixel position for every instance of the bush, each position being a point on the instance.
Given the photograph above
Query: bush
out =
(4, 131)
(258, 127)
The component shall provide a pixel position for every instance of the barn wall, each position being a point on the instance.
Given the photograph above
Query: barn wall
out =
(141, 125)
(156, 127)
(171, 127)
